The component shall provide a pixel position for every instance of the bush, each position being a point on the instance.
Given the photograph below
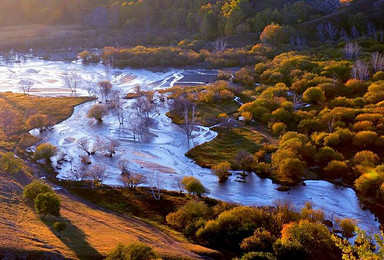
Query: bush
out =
(348, 227)
(222, 170)
(134, 251)
(366, 157)
(188, 214)
(260, 240)
(291, 168)
(35, 188)
(314, 95)
(97, 112)
(47, 203)
(279, 128)
(38, 121)
(193, 186)
(336, 169)
(10, 163)
(59, 227)
(365, 139)
(45, 151)
(258, 256)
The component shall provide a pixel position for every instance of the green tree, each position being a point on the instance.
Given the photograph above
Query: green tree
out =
(45, 151)
(35, 188)
(47, 203)
(292, 168)
(193, 186)
(208, 27)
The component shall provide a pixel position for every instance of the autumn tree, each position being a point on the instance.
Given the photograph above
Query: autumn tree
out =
(45, 151)
(97, 112)
(193, 186)
(47, 203)
(222, 170)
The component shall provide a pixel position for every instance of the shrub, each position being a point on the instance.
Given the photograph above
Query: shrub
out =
(257, 256)
(38, 121)
(10, 163)
(348, 227)
(326, 154)
(314, 95)
(375, 92)
(133, 251)
(193, 186)
(365, 139)
(369, 182)
(45, 151)
(366, 156)
(336, 169)
(312, 238)
(97, 112)
(47, 203)
(187, 214)
(292, 168)
(35, 188)
(279, 128)
(222, 170)
(260, 240)
(59, 227)
(247, 117)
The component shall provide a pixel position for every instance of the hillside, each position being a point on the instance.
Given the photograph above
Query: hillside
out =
(91, 231)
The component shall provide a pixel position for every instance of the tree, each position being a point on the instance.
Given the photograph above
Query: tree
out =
(360, 70)
(366, 157)
(72, 80)
(312, 238)
(187, 214)
(336, 169)
(193, 186)
(208, 26)
(261, 240)
(97, 174)
(47, 203)
(272, 34)
(365, 139)
(105, 88)
(59, 227)
(375, 92)
(352, 50)
(10, 163)
(314, 95)
(133, 251)
(45, 151)
(38, 121)
(97, 112)
(348, 227)
(292, 168)
(84, 144)
(245, 160)
(222, 170)
(132, 180)
(35, 188)
(26, 85)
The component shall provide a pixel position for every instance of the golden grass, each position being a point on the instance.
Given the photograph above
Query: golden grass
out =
(22, 106)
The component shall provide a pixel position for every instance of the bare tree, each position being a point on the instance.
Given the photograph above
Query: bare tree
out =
(26, 85)
(136, 126)
(123, 166)
(377, 60)
(352, 50)
(360, 70)
(72, 80)
(331, 31)
(354, 32)
(97, 174)
(132, 180)
(220, 45)
(84, 144)
(145, 109)
(155, 181)
(320, 32)
(105, 88)
(189, 119)
(110, 146)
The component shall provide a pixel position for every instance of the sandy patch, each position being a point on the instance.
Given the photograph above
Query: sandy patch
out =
(155, 167)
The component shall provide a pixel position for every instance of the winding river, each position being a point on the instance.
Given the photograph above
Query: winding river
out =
(161, 158)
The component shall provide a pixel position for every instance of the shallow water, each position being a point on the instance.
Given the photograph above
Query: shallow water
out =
(162, 157)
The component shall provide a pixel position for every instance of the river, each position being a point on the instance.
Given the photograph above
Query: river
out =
(161, 158)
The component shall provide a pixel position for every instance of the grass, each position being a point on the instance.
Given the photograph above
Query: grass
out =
(226, 145)
(22, 106)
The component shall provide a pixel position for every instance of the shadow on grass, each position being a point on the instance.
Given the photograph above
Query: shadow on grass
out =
(74, 238)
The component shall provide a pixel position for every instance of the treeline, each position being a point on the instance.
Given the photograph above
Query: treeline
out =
(209, 18)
